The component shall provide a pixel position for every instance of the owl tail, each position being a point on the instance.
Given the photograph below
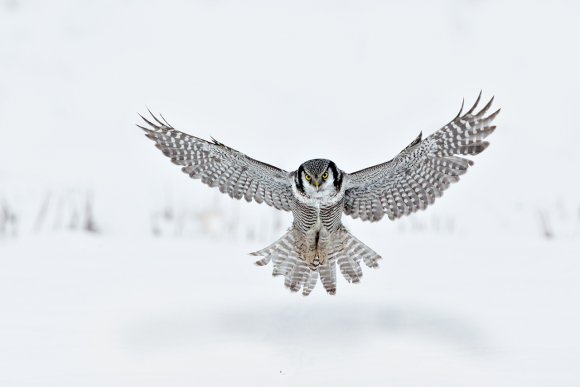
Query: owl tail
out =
(342, 248)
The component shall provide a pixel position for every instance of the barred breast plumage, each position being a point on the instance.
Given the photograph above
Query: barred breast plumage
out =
(317, 240)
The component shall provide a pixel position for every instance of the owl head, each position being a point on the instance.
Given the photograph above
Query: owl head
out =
(318, 178)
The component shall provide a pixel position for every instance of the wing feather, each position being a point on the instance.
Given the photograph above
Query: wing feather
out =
(218, 165)
(422, 171)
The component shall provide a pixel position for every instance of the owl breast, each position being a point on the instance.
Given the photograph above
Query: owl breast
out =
(317, 212)
(317, 215)
(315, 224)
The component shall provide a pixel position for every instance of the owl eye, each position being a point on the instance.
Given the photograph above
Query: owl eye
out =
(325, 175)
(307, 177)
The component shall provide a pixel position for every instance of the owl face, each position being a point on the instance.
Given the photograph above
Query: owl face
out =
(318, 178)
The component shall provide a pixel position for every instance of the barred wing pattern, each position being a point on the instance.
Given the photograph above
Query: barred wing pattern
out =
(422, 171)
(220, 166)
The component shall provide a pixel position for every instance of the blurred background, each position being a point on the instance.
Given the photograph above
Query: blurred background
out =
(116, 269)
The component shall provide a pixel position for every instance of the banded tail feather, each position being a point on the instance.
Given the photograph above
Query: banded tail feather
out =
(287, 255)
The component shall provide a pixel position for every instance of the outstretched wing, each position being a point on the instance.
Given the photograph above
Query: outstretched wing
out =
(422, 171)
(220, 166)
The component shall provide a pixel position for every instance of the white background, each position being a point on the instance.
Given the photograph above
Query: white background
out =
(481, 289)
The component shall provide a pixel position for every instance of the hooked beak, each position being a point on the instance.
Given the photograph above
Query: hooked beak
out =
(316, 184)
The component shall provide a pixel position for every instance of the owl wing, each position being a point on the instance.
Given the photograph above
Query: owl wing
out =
(220, 166)
(422, 171)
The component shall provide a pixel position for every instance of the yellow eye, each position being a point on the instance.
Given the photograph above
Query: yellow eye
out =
(307, 177)
(325, 175)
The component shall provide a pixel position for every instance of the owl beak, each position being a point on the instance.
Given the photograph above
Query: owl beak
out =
(316, 184)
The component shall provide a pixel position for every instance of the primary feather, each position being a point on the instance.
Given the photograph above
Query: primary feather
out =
(422, 171)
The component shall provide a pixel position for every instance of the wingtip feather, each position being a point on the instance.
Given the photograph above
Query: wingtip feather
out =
(461, 108)
(485, 108)
(475, 104)
(151, 124)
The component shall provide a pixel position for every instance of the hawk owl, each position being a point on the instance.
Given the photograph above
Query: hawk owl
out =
(318, 192)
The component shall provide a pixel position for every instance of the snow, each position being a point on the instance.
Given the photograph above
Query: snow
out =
(481, 289)
(90, 310)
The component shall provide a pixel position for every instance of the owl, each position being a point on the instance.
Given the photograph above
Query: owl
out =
(318, 193)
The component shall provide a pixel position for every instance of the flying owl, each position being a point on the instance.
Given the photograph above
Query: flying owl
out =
(319, 192)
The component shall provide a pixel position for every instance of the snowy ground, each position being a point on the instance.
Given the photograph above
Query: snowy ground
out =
(82, 310)
(117, 270)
